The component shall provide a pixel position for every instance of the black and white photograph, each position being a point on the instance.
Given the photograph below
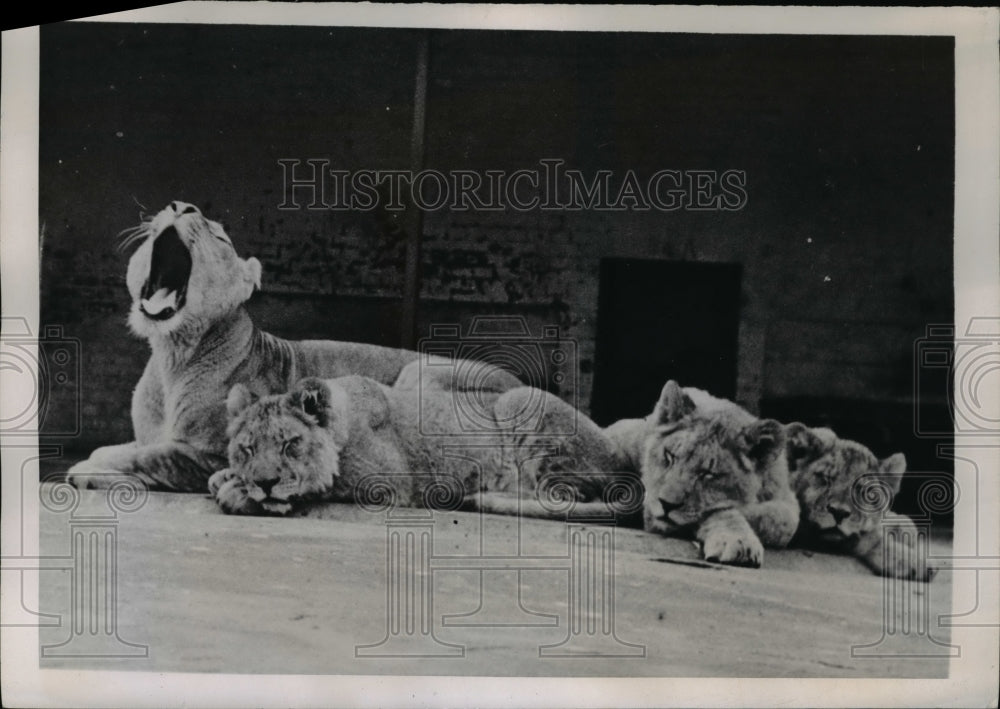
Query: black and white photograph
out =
(393, 354)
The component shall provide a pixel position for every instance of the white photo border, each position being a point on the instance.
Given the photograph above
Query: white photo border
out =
(977, 294)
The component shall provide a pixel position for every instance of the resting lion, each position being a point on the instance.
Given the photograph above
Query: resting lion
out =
(351, 439)
(325, 440)
(712, 469)
(188, 287)
(844, 492)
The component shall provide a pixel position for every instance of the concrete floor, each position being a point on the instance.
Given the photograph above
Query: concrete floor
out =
(206, 592)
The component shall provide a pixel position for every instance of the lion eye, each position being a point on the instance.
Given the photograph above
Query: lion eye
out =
(825, 477)
(290, 447)
(668, 457)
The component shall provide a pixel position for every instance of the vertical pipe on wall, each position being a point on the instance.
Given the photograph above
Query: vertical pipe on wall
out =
(415, 218)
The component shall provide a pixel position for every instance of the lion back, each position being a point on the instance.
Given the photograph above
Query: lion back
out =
(374, 456)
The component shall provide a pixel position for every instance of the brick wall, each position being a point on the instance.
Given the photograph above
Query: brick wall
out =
(845, 239)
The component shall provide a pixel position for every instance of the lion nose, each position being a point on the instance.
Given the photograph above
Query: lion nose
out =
(266, 484)
(839, 513)
(183, 208)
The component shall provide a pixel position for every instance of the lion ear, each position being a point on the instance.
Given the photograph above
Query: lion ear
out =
(764, 441)
(240, 397)
(253, 271)
(892, 469)
(673, 404)
(313, 397)
(805, 444)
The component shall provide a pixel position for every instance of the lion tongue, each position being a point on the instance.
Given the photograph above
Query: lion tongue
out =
(160, 301)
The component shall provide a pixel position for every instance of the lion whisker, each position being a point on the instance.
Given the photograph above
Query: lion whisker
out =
(128, 237)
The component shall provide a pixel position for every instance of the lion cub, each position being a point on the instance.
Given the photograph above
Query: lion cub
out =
(713, 470)
(844, 492)
(352, 439)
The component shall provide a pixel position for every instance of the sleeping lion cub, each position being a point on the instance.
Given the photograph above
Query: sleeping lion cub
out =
(832, 478)
(324, 439)
(338, 439)
(712, 470)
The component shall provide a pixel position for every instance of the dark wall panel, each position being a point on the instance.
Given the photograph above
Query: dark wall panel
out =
(844, 242)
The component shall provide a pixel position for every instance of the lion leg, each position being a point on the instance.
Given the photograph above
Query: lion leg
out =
(893, 559)
(774, 521)
(101, 459)
(107, 454)
(891, 551)
(584, 459)
(726, 537)
(174, 466)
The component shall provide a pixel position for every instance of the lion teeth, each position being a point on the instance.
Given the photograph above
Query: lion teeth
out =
(160, 301)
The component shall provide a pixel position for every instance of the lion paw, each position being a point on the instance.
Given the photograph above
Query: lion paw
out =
(727, 547)
(80, 480)
(217, 480)
(903, 562)
(233, 498)
(913, 572)
(85, 476)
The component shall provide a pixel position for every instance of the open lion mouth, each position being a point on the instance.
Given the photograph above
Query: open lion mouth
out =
(163, 294)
